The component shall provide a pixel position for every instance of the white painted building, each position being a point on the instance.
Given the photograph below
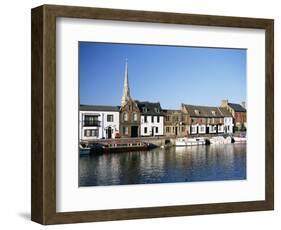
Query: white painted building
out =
(98, 122)
(228, 125)
(152, 119)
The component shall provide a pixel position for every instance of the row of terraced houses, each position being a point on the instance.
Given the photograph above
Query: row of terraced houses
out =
(143, 118)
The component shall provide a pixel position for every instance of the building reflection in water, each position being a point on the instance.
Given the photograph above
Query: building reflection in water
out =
(176, 164)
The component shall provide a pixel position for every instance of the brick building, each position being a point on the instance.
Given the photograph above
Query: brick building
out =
(239, 114)
(129, 112)
(175, 123)
(207, 119)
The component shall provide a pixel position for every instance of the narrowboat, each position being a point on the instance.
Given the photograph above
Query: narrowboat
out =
(121, 147)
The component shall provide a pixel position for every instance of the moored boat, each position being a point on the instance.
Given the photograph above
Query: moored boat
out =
(220, 140)
(228, 140)
(189, 141)
(84, 150)
(240, 139)
(121, 147)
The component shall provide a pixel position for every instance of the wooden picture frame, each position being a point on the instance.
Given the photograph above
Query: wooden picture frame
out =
(43, 208)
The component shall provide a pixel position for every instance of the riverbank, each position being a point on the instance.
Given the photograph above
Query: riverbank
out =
(159, 141)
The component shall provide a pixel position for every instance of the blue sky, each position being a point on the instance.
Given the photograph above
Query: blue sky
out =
(169, 74)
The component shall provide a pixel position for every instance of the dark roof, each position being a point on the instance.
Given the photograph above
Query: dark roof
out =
(171, 110)
(149, 108)
(206, 111)
(237, 107)
(99, 108)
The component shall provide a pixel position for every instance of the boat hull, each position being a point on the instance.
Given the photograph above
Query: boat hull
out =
(221, 140)
(189, 142)
(240, 139)
(85, 151)
(124, 149)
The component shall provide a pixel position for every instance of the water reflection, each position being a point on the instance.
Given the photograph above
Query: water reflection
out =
(176, 164)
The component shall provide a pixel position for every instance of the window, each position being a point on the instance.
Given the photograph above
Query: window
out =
(193, 129)
(95, 132)
(145, 119)
(144, 109)
(213, 120)
(213, 112)
(213, 128)
(152, 119)
(167, 118)
(168, 129)
(91, 120)
(125, 116)
(182, 129)
(156, 129)
(202, 129)
(125, 130)
(109, 118)
(91, 132)
(158, 119)
(135, 116)
(145, 129)
(87, 132)
(197, 112)
(156, 110)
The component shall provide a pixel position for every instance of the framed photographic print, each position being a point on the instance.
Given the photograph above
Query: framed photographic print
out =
(140, 114)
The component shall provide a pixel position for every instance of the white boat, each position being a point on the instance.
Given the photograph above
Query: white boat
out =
(228, 140)
(220, 140)
(240, 139)
(189, 141)
(217, 140)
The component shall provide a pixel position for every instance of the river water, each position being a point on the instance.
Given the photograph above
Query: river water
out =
(175, 164)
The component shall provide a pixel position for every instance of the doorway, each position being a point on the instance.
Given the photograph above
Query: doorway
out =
(207, 129)
(134, 131)
(109, 133)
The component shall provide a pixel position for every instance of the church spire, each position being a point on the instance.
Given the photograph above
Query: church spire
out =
(126, 90)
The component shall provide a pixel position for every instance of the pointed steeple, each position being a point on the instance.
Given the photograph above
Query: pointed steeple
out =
(126, 90)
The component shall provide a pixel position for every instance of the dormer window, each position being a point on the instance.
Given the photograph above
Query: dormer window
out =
(144, 110)
(213, 112)
(197, 112)
(156, 110)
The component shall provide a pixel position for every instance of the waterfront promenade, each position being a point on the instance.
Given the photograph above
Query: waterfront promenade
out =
(155, 140)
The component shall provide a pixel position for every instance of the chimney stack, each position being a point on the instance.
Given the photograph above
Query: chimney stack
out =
(224, 103)
(243, 104)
